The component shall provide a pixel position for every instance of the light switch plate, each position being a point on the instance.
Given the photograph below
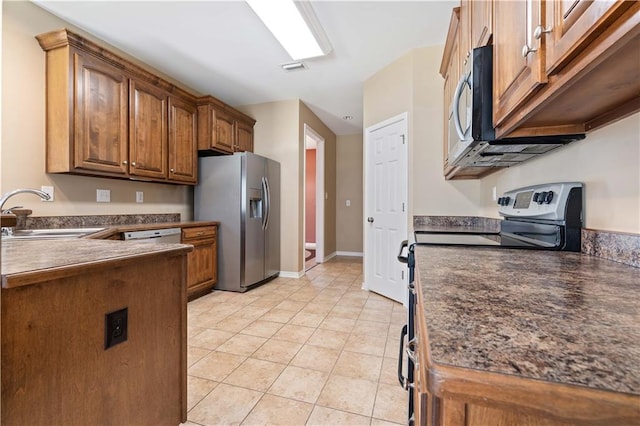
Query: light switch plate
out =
(348, 203)
(103, 195)
(48, 190)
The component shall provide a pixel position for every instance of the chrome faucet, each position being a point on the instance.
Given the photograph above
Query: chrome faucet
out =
(10, 194)
(6, 231)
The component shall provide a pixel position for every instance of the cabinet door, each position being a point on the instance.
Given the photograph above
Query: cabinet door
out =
(481, 22)
(147, 130)
(516, 73)
(208, 130)
(225, 131)
(100, 116)
(572, 24)
(183, 158)
(244, 136)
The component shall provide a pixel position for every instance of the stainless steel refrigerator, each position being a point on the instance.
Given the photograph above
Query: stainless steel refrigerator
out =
(242, 192)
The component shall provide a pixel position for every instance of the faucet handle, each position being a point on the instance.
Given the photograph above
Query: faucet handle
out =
(10, 210)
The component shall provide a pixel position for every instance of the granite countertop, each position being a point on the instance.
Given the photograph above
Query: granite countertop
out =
(554, 316)
(27, 262)
(116, 229)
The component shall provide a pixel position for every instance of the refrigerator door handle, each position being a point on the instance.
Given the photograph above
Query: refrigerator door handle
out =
(265, 196)
(268, 202)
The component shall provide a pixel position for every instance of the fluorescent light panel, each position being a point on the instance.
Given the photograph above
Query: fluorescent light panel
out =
(284, 20)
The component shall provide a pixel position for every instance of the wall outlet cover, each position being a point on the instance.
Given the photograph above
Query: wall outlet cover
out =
(115, 327)
(103, 195)
(48, 190)
(139, 196)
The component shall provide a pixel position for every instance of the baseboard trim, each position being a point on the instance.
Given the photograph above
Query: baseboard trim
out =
(329, 257)
(288, 274)
(350, 253)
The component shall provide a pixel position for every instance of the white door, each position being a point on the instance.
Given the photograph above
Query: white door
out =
(386, 183)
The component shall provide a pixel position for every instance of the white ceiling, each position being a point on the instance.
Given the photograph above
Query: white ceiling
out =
(222, 48)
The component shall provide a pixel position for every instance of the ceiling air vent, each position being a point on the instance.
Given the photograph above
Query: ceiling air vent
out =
(294, 66)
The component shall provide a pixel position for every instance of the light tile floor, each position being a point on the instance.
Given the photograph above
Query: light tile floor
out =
(317, 350)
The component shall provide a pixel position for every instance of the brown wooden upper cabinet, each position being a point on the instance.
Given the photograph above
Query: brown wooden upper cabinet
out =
(559, 67)
(109, 117)
(223, 129)
(564, 67)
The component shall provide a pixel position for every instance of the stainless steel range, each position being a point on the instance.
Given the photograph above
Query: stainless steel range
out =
(545, 216)
(539, 217)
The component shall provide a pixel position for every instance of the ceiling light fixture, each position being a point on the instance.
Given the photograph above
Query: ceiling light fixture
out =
(347, 117)
(294, 25)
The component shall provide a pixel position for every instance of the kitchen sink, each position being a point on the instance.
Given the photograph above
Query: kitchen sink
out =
(24, 234)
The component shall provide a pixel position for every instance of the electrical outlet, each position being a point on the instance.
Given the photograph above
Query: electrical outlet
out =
(115, 328)
(48, 190)
(348, 203)
(139, 196)
(103, 195)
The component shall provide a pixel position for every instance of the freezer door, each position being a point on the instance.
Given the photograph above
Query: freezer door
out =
(253, 212)
(272, 235)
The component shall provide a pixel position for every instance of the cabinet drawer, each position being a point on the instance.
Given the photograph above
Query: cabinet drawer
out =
(199, 232)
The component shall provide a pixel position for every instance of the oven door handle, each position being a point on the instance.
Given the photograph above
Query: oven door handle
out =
(401, 258)
(404, 382)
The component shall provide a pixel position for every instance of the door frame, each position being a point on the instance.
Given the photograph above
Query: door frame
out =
(309, 133)
(368, 184)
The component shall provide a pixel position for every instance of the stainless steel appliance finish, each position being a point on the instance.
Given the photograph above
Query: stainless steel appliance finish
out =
(472, 140)
(242, 192)
(170, 235)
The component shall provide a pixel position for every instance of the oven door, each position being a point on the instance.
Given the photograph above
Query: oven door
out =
(408, 334)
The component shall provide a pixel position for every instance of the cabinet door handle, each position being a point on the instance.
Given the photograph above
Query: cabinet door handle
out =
(537, 33)
(172, 170)
(125, 162)
(526, 49)
(133, 163)
(404, 382)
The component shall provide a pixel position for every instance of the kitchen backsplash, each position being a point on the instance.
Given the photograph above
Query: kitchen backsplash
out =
(26, 222)
(448, 221)
(618, 246)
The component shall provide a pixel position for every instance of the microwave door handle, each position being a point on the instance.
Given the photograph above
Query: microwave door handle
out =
(455, 105)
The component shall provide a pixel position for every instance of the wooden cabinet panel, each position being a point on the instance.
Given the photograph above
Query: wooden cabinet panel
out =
(244, 136)
(481, 22)
(225, 130)
(571, 25)
(183, 160)
(147, 130)
(202, 269)
(109, 117)
(515, 76)
(100, 116)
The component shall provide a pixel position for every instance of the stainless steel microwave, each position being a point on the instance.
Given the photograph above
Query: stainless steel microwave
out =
(472, 140)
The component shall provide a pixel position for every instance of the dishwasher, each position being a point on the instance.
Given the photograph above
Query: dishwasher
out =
(169, 235)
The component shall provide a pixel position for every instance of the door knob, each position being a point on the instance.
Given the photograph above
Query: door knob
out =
(370, 219)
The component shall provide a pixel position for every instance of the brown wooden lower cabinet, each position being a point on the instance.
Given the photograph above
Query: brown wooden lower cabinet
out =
(55, 368)
(202, 262)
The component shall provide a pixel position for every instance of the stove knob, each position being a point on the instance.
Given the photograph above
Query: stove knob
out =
(535, 197)
(506, 200)
(500, 201)
(549, 197)
(541, 197)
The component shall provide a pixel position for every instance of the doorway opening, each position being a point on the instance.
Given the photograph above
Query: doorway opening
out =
(313, 247)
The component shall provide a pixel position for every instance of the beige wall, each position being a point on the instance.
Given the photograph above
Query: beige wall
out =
(608, 161)
(279, 134)
(349, 186)
(23, 134)
(309, 118)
